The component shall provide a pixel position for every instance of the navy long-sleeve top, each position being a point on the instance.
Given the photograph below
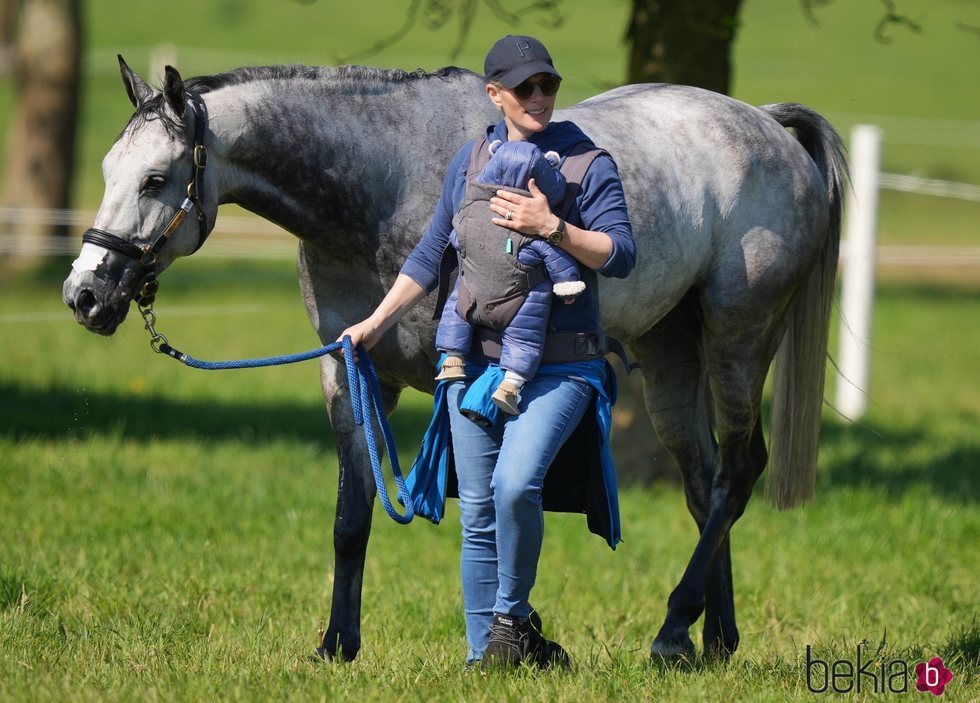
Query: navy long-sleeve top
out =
(599, 206)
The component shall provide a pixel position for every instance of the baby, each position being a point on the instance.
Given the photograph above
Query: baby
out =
(506, 278)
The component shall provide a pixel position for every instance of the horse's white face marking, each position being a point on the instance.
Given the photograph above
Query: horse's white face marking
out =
(146, 173)
(89, 258)
(133, 206)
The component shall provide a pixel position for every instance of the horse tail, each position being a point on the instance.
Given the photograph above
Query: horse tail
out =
(800, 363)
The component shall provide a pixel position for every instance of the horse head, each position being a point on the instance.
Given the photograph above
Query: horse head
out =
(153, 177)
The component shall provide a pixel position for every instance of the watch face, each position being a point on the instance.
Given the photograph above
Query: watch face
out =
(559, 234)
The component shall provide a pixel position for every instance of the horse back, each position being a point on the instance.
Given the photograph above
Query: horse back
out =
(720, 196)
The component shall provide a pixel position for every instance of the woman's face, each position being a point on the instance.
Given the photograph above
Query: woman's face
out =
(528, 115)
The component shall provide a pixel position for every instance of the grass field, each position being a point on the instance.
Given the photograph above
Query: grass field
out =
(167, 532)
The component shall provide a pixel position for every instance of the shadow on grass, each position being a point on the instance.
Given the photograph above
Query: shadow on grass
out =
(62, 411)
(12, 591)
(866, 456)
(860, 455)
(22, 593)
(963, 647)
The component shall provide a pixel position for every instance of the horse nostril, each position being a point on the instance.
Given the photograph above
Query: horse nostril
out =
(85, 303)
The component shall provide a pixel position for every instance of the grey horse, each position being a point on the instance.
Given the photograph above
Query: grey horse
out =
(737, 224)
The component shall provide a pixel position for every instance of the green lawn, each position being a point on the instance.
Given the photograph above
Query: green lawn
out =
(167, 532)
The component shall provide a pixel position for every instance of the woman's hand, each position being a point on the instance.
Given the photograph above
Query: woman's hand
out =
(366, 332)
(533, 217)
(529, 215)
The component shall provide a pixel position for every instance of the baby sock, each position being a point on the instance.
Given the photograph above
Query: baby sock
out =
(515, 378)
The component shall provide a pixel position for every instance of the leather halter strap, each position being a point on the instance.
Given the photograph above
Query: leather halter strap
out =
(147, 254)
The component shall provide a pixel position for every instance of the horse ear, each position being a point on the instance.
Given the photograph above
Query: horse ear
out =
(173, 90)
(136, 88)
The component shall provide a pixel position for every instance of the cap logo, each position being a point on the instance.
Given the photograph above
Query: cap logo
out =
(521, 46)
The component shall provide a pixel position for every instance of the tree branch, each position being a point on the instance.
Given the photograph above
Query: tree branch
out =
(435, 14)
(892, 18)
(410, 17)
(809, 9)
(968, 28)
(467, 12)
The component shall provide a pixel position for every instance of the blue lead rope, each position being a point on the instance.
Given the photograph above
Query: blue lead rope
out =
(365, 392)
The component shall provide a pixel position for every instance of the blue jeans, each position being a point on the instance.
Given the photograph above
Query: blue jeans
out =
(501, 470)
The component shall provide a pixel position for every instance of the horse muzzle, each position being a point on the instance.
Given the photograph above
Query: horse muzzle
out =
(100, 297)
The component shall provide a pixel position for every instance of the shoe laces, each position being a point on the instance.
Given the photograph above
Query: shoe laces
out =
(509, 636)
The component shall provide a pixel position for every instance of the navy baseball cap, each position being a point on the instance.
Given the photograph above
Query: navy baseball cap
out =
(515, 58)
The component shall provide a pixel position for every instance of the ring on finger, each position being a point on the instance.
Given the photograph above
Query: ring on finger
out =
(509, 215)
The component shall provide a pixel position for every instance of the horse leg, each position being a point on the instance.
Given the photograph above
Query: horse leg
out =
(737, 361)
(677, 400)
(352, 522)
(720, 633)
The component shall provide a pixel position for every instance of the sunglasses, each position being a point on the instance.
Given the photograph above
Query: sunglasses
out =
(549, 87)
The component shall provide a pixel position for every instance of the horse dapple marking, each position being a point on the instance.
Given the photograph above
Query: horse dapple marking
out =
(737, 229)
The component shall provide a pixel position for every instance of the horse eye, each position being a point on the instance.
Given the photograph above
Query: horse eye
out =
(152, 183)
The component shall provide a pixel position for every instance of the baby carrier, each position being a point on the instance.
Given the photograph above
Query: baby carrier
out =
(494, 283)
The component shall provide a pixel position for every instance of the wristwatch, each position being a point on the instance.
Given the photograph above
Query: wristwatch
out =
(559, 233)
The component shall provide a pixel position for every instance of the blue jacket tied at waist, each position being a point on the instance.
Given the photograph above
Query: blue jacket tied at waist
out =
(582, 478)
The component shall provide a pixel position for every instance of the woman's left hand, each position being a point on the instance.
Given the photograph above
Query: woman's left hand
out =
(529, 215)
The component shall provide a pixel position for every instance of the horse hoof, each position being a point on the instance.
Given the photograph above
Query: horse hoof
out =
(333, 649)
(322, 654)
(717, 650)
(672, 652)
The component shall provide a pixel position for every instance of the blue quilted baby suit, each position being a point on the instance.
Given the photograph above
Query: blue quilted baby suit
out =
(497, 261)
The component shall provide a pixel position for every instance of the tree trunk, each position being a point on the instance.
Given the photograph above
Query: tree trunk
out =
(8, 29)
(682, 41)
(640, 457)
(685, 42)
(41, 140)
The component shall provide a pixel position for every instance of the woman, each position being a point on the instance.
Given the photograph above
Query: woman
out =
(501, 467)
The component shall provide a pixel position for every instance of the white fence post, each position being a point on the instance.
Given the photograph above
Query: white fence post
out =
(858, 282)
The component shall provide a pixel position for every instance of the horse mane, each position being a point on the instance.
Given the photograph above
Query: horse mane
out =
(346, 78)
(360, 77)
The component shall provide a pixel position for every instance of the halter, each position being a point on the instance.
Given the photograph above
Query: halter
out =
(363, 384)
(146, 255)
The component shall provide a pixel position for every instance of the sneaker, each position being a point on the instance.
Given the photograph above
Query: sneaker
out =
(516, 640)
(535, 621)
(452, 369)
(506, 397)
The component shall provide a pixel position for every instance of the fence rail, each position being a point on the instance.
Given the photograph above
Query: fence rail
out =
(235, 236)
(247, 236)
(927, 186)
(226, 243)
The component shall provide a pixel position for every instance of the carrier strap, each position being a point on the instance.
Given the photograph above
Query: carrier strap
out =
(559, 347)
(574, 166)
